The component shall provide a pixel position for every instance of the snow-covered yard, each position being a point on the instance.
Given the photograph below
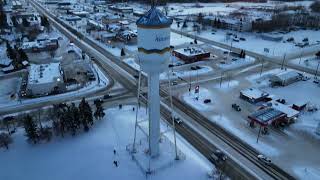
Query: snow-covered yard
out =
(8, 87)
(90, 155)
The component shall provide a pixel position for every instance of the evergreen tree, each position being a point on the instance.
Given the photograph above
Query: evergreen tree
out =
(99, 113)
(45, 23)
(3, 17)
(30, 128)
(318, 54)
(25, 22)
(5, 140)
(10, 52)
(75, 116)
(14, 21)
(23, 55)
(122, 52)
(85, 114)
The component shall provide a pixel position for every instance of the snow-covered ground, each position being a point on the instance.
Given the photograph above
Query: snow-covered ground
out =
(186, 73)
(255, 43)
(196, 100)
(178, 71)
(240, 62)
(90, 155)
(8, 87)
(310, 62)
(311, 173)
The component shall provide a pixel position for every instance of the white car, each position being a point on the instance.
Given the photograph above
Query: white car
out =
(264, 159)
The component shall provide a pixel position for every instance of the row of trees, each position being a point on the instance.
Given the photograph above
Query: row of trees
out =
(285, 21)
(66, 119)
(315, 6)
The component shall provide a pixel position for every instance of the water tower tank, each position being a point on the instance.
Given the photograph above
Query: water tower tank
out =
(154, 41)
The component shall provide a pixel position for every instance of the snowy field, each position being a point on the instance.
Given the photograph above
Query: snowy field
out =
(255, 43)
(90, 155)
(226, 8)
(310, 62)
(183, 73)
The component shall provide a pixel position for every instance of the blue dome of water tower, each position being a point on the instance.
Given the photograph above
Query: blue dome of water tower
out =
(154, 18)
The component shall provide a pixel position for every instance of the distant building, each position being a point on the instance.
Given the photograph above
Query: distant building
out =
(285, 78)
(254, 95)
(16, 5)
(121, 8)
(127, 36)
(44, 79)
(46, 44)
(190, 55)
(93, 25)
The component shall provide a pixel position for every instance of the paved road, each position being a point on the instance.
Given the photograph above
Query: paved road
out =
(118, 71)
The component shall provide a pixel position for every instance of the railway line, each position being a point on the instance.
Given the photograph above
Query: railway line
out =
(125, 75)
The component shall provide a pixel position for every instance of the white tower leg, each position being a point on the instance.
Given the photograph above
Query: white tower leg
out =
(154, 113)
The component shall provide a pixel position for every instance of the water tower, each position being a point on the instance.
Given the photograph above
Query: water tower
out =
(154, 54)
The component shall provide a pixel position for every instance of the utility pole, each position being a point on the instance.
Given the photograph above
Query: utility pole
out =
(262, 61)
(316, 74)
(284, 58)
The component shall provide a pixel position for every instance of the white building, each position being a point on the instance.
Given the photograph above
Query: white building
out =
(44, 79)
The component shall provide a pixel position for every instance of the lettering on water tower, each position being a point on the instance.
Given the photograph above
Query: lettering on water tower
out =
(162, 38)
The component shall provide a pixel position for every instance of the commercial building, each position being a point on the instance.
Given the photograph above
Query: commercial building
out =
(190, 55)
(46, 44)
(285, 78)
(44, 79)
(254, 95)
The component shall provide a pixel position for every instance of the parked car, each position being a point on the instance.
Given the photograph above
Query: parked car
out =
(177, 120)
(236, 107)
(206, 101)
(264, 159)
(173, 83)
(107, 96)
